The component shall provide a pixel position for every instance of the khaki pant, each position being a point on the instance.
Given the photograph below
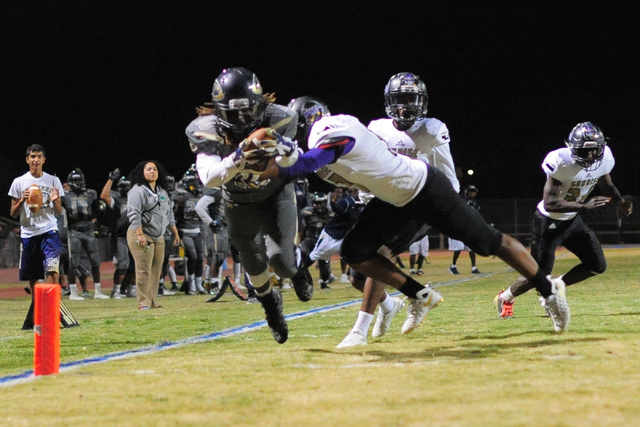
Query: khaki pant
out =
(148, 264)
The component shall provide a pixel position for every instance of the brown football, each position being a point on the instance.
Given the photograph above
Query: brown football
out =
(256, 136)
(34, 200)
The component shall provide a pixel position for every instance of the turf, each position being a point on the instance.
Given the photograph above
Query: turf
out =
(462, 367)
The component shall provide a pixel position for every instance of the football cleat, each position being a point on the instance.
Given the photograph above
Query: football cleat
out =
(272, 304)
(504, 308)
(557, 306)
(303, 284)
(453, 269)
(383, 321)
(353, 338)
(418, 308)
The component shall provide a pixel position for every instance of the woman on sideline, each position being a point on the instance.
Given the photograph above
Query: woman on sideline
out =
(150, 213)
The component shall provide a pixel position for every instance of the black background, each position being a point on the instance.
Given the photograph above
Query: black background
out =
(105, 84)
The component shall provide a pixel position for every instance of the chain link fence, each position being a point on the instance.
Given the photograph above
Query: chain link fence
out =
(511, 216)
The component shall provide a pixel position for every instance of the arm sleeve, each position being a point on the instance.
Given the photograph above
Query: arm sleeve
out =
(308, 163)
(214, 171)
(442, 159)
(201, 209)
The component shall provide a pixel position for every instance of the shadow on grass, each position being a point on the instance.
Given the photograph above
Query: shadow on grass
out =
(464, 352)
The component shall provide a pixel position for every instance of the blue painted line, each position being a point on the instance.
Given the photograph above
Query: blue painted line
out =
(67, 366)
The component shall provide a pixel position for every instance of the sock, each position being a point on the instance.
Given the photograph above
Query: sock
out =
(97, 288)
(507, 296)
(411, 288)
(542, 283)
(387, 304)
(363, 322)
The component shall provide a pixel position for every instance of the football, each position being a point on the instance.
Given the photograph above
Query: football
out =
(254, 140)
(34, 200)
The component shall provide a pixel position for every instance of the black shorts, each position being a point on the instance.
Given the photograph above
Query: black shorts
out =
(436, 205)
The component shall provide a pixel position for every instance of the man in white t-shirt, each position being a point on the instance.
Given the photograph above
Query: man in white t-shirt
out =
(40, 246)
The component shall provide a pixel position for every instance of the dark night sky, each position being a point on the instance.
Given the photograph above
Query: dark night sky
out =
(110, 83)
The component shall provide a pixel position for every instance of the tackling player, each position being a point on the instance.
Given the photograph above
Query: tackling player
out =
(572, 173)
(344, 152)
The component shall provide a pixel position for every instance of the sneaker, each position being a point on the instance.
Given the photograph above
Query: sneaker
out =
(303, 284)
(412, 272)
(353, 338)
(543, 304)
(418, 308)
(420, 273)
(344, 278)
(116, 295)
(383, 321)
(65, 292)
(498, 302)
(475, 270)
(332, 278)
(453, 269)
(174, 287)
(86, 294)
(75, 298)
(132, 292)
(272, 304)
(507, 309)
(165, 292)
(100, 295)
(557, 306)
(324, 285)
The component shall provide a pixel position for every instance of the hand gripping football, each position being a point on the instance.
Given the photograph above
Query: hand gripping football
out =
(34, 199)
(259, 149)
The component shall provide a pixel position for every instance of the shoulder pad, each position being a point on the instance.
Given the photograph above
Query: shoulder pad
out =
(203, 136)
(282, 119)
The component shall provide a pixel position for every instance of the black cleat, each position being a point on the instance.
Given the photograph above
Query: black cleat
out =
(303, 284)
(272, 304)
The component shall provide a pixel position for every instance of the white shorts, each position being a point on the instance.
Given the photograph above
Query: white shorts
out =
(457, 245)
(325, 248)
(421, 247)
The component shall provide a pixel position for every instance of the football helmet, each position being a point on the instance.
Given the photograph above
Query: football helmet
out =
(123, 185)
(190, 180)
(319, 201)
(238, 102)
(405, 99)
(309, 110)
(170, 182)
(76, 180)
(587, 143)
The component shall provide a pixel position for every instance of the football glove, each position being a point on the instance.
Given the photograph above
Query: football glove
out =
(114, 174)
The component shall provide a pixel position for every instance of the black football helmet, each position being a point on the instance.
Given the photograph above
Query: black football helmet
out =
(123, 185)
(238, 102)
(76, 180)
(170, 182)
(405, 99)
(309, 110)
(319, 201)
(587, 143)
(190, 180)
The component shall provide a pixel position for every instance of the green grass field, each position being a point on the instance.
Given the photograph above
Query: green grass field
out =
(462, 367)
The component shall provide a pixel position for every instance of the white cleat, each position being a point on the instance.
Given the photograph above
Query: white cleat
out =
(418, 308)
(344, 278)
(75, 297)
(354, 338)
(557, 306)
(100, 296)
(383, 321)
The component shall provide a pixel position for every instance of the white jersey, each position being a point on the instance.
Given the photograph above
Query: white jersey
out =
(427, 139)
(369, 166)
(577, 183)
(43, 221)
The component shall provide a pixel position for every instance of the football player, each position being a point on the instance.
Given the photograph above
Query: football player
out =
(117, 202)
(82, 205)
(469, 195)
(572, 173)
(343, 152)
(254, 209)
(314, 218)
(408, 131)
(189, 226)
